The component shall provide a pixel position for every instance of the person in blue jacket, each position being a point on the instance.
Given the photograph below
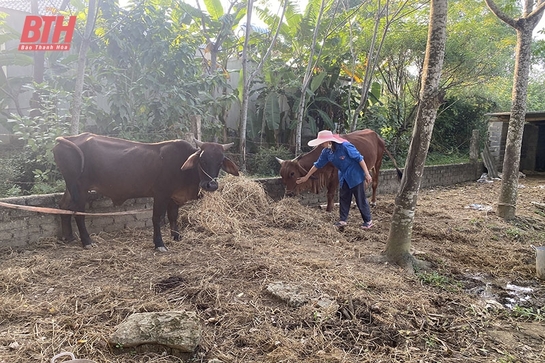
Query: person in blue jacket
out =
(353, 174)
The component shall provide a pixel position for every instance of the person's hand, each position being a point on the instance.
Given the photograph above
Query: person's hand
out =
(368, 179)
(301, 179)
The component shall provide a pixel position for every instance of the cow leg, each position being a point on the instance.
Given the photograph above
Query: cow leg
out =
(172, 212)
(86, 240)
(159, 209)
(66, 220)
(374, 186)
(79, 199)
(330, 196)
(75, 201)
(67, 202)
(79, 206)
(332, 189)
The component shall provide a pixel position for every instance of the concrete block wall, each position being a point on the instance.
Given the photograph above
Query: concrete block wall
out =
(389, 183)
(497, 133)
(444, 175)
(20, 228)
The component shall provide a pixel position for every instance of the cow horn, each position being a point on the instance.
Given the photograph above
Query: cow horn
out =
(198, 143)
(280, 160)
(227, 146)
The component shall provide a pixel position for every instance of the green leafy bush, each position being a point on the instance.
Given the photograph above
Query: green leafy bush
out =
(10, 171)
(35, 165)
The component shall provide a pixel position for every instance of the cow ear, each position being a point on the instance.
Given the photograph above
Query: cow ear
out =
(230, 167)
(191, 161)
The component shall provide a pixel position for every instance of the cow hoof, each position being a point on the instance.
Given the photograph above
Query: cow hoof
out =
(89, 246)
(373, 204)
(176, 237)
(161, 249)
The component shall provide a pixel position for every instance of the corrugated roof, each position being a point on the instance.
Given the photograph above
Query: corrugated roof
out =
(531, 116)
(45, 7)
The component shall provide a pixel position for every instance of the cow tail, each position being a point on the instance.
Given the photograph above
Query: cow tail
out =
(70, 144)
(399, 172)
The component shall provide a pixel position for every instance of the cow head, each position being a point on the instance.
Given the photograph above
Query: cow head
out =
(209, 159)
(290, 170)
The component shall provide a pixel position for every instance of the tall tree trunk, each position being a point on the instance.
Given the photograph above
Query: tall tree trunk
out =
(247, 80)
(37, 70)
(511, 162)
(306, 81)
(246, 88)
(82, 59)
(372, 57)
(399, 239)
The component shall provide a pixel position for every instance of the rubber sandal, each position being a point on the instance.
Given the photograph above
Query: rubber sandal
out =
(367, 225)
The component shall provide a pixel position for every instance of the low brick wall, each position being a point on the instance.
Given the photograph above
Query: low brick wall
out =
(389, 183)
(19, 228)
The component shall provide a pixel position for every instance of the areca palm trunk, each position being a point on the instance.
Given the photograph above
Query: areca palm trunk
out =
(399, 239)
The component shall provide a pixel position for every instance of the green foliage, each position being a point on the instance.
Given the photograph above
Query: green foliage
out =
(150, 75)
(9, 172)
(437, 158)
(432, 278)
(455, 122)
(437, 280)
(10, 86)
(514, 233)
(271, 112)
(264, 162)
(536, 96)
(46, 182)
(283, 74)
(528, 314)
(142, 64)
(38, 132)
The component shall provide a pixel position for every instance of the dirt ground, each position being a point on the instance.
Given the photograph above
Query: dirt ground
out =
(480, 302)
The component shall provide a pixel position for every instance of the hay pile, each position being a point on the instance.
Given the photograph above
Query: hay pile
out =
(241, 206)
(236, 242)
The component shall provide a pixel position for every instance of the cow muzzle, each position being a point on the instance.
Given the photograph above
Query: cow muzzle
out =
(290, 193)
(209, 186)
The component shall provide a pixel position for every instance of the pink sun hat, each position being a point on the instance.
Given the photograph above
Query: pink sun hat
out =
(338, 136)
(325, 136)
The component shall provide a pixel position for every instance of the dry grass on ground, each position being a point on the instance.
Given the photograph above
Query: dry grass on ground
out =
(57, 297)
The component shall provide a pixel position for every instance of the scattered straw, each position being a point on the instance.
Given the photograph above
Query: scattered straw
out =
(57, 297)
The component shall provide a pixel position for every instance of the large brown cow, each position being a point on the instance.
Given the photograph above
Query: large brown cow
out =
(172, 172)
(368, 143)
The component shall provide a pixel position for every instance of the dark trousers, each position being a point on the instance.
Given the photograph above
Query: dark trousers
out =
(345, 199)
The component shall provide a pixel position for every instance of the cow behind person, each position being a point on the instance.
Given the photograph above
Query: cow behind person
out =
(172, 172)
(368, 143)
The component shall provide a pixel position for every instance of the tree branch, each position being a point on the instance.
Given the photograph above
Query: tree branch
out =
(500, 14)
(537, 11)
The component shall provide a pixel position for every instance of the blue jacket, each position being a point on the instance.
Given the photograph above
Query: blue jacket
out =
(347, 159)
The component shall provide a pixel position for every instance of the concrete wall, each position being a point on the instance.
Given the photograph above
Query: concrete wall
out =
(497, 133)
(532, 157)
(19, 228)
